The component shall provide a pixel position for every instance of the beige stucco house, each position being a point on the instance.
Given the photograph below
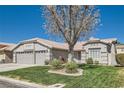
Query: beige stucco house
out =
(6, 52)
(36, 51)
(120, 48)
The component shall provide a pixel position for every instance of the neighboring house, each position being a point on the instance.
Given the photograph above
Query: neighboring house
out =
(120, 48)
(6, 53)
(36, 51)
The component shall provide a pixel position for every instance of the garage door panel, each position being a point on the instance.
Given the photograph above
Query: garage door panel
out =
(25, 58)
(40, 58)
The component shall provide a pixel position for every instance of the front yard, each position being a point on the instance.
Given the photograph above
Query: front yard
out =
(95, 76)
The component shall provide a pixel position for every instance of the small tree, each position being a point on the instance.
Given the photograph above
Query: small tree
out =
(71, 22)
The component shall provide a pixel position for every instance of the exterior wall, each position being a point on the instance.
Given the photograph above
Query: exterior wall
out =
(29, 47)
(83, 56)
(2, 56)
(112, 55)
(56, 53)
(120, 50)
(104, 51)
(6, 56)
(77, 56)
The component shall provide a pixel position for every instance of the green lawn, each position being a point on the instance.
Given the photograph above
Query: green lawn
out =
(95, 76)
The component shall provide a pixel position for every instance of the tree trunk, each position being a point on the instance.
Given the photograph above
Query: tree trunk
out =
(70, 54)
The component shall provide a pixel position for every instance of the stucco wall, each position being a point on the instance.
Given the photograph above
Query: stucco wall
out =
(6, 56)
(120, 50)
(2, 56)
(30, 46)
(77, 56)
(56, 53)
(104, 50)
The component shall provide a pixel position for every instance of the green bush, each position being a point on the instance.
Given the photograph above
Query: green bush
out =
(47, 62)
(120, 59)
(96, 62)
(89, 61)
(71, 67)
(56, 64)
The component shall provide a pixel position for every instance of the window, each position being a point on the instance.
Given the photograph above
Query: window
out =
(94, 53)
(42, 51)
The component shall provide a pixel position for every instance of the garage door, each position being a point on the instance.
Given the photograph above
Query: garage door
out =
(41, 57)
(25, 57)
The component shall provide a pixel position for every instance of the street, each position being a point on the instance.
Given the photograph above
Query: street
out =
(5, 84)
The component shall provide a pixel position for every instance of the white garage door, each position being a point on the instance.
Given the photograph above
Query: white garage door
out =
(25, 57)
(41, 57)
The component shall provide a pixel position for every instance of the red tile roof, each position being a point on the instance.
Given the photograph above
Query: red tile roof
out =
(64, 46)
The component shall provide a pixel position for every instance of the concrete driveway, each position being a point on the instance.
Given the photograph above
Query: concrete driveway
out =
(12, 66)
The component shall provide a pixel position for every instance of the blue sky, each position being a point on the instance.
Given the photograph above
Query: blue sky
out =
(24, 22)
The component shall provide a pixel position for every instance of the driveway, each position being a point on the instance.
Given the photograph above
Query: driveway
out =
(12, 66)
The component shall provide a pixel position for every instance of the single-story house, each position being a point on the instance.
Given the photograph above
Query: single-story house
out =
(37, 50)
(6, 52)
(120, 48)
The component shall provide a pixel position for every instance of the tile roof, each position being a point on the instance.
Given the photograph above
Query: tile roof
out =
(120, 46)
(97, 40)
(6, 46)
(108, 40)
(56, 45)
(64, 46)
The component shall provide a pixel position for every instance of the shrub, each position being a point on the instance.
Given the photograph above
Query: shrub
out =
(47, 62)
(96, 62)
(56, 64)
(71, 67)
(2, 61)
(62, 59)
(89, 61)
(120, 59)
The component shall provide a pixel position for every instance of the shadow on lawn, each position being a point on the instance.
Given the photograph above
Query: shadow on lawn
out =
(88, 66)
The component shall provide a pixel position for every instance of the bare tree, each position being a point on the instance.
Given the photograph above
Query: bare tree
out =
(71, 22)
